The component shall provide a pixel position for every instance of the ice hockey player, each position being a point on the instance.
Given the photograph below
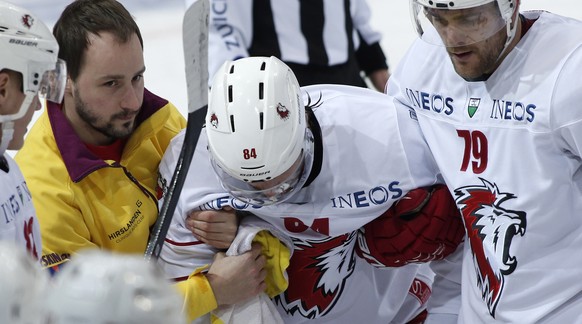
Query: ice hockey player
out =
(28, 62)
(497, 94)
(323, 164)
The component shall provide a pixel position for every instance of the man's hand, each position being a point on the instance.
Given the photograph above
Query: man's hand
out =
(234, 279)
(215, 228)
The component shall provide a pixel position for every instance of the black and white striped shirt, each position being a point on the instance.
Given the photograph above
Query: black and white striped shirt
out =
(323, 41)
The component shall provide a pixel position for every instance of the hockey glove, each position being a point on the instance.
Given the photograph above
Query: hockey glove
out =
(423, 226)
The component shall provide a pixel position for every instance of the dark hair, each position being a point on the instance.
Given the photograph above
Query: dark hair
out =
(84, 17)
(311, 106)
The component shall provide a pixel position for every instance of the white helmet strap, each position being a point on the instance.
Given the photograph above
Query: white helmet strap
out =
(7, 133)
(8, 122)
(22, 110)
(510, 35)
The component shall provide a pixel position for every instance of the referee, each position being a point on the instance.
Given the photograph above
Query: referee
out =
(327, 41)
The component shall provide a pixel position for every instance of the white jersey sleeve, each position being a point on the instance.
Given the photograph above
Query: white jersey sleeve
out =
(445, 301)
(19, 222)
(182, 253)
(567, 123)
(361, 16)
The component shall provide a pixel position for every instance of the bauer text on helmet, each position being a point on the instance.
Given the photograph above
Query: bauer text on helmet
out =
(28, 47)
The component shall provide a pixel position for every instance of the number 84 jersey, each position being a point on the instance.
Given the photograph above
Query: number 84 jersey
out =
(510, 150)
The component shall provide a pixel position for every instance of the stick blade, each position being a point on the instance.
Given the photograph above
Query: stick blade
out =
(195, 40)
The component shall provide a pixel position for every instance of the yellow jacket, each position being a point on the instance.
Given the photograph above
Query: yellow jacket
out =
(84, 202)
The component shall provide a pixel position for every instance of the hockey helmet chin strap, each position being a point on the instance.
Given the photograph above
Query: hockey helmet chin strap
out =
(511, 32)
(8, 123)
(7, 133)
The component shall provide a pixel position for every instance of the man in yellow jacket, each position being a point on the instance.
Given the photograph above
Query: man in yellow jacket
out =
(91, 162)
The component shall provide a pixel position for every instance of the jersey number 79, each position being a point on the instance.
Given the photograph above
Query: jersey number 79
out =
(476, 150)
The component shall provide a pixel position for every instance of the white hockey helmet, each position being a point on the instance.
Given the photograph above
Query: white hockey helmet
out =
(475, 20)
(28, 47)
(97, 287)
(23, 283)
(259, 143)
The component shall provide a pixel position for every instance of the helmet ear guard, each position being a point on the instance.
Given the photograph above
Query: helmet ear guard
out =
(256, 128)
(27, 45)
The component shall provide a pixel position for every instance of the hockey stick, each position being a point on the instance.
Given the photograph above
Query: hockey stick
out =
(195, 40)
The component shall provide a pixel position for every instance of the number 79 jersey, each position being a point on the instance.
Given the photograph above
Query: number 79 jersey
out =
(510, 150)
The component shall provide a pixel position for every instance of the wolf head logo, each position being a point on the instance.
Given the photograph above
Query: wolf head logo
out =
(491, 230)
(317, 275)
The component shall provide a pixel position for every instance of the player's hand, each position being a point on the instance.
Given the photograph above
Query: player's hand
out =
(234, 279)
(425, 225)
(215, 228)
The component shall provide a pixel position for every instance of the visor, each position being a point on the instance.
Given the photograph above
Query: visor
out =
(277, 190)
(52, 84)
(456, 27)
(51, 87)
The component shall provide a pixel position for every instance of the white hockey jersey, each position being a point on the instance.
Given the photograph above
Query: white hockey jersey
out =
(371, 156)
(19, 222)
(510, 150)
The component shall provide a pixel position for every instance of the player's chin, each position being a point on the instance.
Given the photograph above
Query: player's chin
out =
(467, 71)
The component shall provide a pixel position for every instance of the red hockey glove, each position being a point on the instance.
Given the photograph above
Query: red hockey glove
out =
(424, 225)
